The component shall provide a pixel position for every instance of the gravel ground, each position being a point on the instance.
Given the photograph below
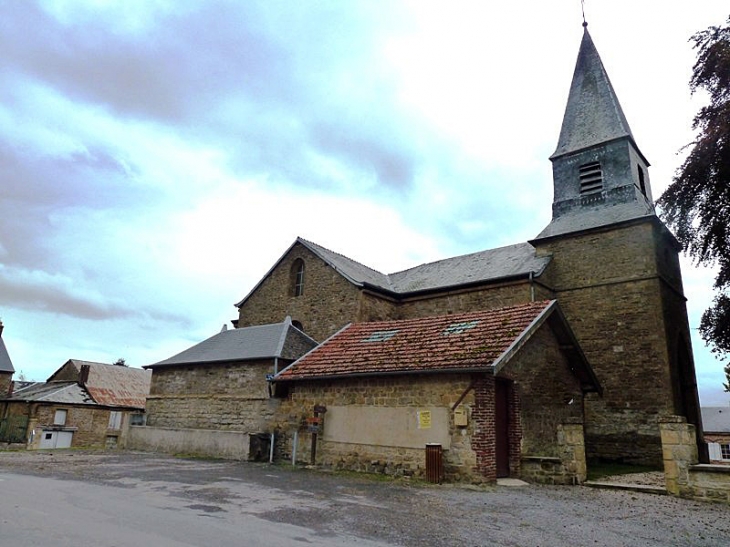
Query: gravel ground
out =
(394, 512)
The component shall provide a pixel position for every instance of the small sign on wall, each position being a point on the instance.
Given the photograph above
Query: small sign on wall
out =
(424, 419)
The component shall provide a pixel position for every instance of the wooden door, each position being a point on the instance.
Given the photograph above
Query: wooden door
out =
(501, 426)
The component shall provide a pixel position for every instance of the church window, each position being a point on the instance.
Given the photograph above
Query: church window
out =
(642, 183)
(591, 178)
(298, 277)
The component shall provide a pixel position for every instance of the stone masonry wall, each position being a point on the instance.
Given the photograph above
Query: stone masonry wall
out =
(441, 390)
(474, 299)
(227, 396)
(327, 304)
(6, 379)
(548, 392)
(91, 424)
(609, 288)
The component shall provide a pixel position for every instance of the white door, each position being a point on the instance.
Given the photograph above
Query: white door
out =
(64, 439)
(56, 439)
(48, 439)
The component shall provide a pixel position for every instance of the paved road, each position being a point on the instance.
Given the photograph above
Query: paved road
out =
(121, 499)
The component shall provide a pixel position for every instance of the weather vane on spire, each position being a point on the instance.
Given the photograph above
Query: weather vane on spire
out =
(583, 11)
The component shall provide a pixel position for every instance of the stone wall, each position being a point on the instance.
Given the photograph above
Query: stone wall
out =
(6, 379)
(472, 299)
(230, 445)
(90, 424)
(568, 467)
(612, 292)
(226, 396)
(548, 392)
(328, 301)
(408, 391)
(684, 476)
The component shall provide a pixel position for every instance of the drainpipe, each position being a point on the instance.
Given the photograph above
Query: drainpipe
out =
(294, 447)
(276, 365)
(271, 448)
(532, 288)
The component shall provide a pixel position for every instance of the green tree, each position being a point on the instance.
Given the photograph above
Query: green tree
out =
(697, 203)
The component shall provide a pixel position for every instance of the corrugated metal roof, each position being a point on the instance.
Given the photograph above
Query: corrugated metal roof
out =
(716, 419)
(113, 385)
(256, 342)
(106, 385)
(469, 341)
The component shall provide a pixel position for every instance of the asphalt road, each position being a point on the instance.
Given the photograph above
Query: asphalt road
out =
(121, 499)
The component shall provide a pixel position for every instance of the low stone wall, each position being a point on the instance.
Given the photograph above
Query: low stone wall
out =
(569, 468)
(684, 476)
(229, 445)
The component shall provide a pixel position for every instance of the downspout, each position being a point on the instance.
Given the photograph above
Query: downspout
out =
(532, 287)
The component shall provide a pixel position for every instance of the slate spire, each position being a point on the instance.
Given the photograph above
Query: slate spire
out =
(600, 176)
(593, 114)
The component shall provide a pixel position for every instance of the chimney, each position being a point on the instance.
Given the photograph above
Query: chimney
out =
(84, 374)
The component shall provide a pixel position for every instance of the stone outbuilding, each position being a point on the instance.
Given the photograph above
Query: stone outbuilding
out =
(501, 391)
(83, 404)
(214, 398)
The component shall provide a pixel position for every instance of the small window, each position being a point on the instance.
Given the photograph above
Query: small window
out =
(642, 182)
(298, 277)
(591, 178)
(725, 451)
(297, 325)
(48, 436)
(60, 417)
(115, 419)
(137, 419)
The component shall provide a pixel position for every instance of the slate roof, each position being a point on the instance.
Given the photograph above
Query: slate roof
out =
(54, 392)
(593, 114)
(716, 419)
(589, 218)
(256, 342)
(6, 365)
(490, 265)
(476, 341)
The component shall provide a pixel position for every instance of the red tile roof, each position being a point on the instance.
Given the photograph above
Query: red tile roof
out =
(469, 341)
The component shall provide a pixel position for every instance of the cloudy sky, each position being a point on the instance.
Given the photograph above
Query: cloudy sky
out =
(156, 157)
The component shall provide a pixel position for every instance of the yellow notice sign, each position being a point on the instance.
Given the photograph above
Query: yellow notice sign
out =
(424, 419)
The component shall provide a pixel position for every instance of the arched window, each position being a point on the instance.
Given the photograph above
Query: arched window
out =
(298, 277)
(642, 182)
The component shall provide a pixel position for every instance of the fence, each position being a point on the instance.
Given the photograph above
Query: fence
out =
(13, 429)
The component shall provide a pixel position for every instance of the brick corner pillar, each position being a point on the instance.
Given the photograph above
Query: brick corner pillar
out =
(484, 439)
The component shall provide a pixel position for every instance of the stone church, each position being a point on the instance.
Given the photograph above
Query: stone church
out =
(605, 257)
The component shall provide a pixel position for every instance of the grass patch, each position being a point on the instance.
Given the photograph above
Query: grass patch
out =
(610, 469)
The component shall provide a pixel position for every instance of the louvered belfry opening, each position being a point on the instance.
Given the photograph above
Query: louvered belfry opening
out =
(591, 178)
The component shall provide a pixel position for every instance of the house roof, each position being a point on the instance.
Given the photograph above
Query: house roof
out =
(6, 365)
(53, 392)
(108, 385)
(593, 114)
(716, 419)
(278, 340)
(476, 341)
(490, 265)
